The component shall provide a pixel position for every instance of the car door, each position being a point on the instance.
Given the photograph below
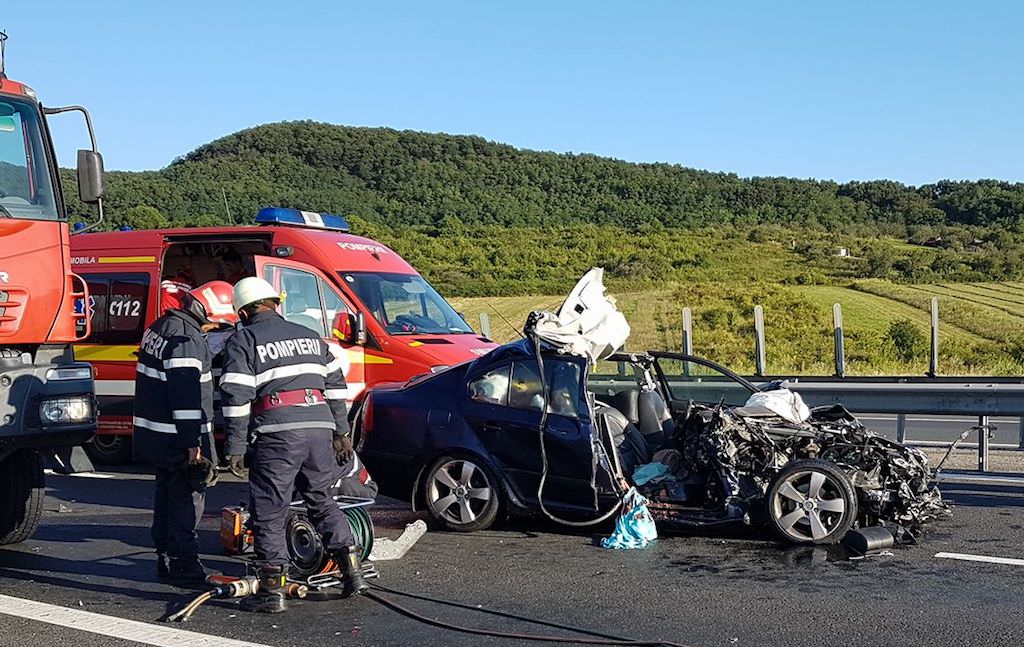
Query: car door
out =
(310, 300)
(503, 405)
(685, 378)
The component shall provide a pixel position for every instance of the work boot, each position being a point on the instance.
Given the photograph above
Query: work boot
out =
(163, 568)
(347, 560)
(269, 598)
(186, 572)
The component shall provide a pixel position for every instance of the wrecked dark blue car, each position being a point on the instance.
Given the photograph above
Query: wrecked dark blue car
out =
(507, 434)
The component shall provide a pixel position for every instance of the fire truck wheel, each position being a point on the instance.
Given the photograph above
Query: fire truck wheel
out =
(21, 496)
(110, 450)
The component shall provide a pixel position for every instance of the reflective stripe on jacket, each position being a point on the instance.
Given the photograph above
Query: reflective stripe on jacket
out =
(272, 355)
(173, 388)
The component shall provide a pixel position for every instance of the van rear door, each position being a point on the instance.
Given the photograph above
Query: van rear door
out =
(121, 303)
(311, 300)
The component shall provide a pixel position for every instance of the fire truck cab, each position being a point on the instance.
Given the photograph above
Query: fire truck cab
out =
(47, 408)
(382, 317)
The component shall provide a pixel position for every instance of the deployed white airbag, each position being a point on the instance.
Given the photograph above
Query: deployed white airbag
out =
(587, 324)
(787, 404)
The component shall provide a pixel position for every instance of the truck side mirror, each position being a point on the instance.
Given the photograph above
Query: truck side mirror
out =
(350, 329)
(360, 329)
(90, 176)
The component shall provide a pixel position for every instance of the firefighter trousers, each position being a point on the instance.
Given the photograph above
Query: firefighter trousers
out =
(177, 511)
(299, 461)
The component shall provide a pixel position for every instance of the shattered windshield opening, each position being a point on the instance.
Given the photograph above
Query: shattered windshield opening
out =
(26, 189)
(405, 304)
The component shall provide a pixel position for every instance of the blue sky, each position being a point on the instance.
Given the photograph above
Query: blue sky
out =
(909, 91)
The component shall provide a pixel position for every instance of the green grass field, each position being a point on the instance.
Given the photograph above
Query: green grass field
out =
(979, 323)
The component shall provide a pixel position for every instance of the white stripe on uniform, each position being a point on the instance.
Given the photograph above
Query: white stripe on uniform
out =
(183, 362)
(161, 427)
(237, 378)
(151, 372)
(187, 414)
(336, 394)
(237, 412)
(286, 371)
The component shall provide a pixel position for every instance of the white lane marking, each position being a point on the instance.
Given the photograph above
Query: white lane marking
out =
(981, 558)
(140, 632)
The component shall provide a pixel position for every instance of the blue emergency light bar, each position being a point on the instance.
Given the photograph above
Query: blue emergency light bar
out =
(296, 218)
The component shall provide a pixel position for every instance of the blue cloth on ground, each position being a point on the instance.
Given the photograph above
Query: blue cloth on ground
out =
(635, 528)
(649, 472)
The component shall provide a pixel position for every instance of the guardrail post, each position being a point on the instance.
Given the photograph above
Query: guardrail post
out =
(485, 325)
(1020, 435)
(901, 428)
(933, 364)
(687, 331)
(982, 443)
(759, 340)
(837, 327)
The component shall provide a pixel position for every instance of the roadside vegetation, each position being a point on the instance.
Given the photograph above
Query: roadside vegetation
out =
(503, 230)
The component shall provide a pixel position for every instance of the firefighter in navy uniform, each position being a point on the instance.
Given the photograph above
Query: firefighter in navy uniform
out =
(282, 384)
(173, 421)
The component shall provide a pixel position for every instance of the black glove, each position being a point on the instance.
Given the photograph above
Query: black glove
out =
(343, 449)
(236, 464)
(202, 474)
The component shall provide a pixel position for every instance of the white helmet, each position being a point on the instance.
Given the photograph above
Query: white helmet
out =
(252, 289)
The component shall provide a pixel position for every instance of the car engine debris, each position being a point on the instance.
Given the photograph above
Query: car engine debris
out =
(734, 453)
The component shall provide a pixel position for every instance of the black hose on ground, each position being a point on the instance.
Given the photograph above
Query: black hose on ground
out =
(495, 612)
(409, 613)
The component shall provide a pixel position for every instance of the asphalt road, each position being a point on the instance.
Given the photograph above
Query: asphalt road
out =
(92, 554)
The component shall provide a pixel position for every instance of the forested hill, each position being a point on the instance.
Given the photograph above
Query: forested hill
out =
(412, 178)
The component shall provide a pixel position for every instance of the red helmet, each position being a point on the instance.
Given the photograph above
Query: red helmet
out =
(215, 299)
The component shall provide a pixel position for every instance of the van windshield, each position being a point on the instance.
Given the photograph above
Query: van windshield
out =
(26, 190)
(405, 304)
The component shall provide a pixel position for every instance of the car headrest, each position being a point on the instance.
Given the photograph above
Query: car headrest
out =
(626, 403)
(295, 303)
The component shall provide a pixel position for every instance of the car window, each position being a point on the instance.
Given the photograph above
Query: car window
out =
(563, 380)
(332, 302)
(491, 387)
(689, 380)
(301, 305)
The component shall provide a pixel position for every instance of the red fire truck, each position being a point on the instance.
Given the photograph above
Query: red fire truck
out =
(46, 398)
(366, 300)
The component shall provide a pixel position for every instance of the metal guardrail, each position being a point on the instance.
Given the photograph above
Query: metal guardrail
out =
(982, 398)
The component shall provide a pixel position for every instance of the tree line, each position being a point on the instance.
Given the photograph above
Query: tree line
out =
(405, 178)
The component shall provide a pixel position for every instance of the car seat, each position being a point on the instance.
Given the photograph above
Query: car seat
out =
(655, 420)
(626, 403)
(295, 307)
(629, 443)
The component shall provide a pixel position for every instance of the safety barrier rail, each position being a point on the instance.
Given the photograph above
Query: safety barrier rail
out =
(902, 396)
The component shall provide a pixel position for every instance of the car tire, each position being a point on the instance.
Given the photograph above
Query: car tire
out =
(461, 493)
(110, 450)
(811, 502)
(21, 496)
